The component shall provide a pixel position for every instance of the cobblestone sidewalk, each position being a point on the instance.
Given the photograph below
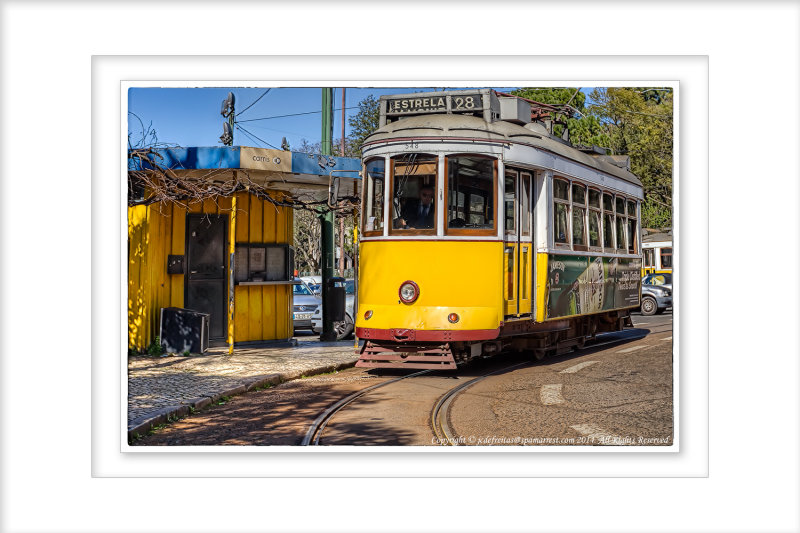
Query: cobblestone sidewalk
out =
(159, 387)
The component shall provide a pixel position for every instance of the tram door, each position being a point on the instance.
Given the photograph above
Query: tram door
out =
(518, 249)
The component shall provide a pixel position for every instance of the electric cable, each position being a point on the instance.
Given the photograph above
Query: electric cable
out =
(257, 99)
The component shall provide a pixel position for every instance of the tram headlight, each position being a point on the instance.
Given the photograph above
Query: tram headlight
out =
(409, 292)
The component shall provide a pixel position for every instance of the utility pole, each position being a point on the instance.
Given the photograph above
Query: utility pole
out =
(341, 218)
(326, 219)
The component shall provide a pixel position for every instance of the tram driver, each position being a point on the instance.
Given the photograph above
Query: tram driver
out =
(418, 213)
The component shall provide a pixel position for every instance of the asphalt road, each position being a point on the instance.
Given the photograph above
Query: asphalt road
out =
(613, 395)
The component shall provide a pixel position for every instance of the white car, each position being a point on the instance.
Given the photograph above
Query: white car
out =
(314, 283)
(344, 328)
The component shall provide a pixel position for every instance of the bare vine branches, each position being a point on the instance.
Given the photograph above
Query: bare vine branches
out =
(150, 182)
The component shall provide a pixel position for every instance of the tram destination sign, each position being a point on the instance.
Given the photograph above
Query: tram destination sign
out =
(459, 103)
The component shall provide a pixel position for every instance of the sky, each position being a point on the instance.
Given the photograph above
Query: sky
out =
(191, 116)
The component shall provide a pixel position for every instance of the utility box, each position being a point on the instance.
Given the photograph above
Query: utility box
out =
(335, 299)
(184, 330)
(515, 110)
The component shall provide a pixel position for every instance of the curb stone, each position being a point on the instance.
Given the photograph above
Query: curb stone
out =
(168, 414)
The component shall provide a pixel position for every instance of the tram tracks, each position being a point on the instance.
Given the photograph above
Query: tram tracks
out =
(315, 430)
(439, 417)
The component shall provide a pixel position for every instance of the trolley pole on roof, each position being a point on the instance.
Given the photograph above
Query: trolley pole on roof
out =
(326, 219)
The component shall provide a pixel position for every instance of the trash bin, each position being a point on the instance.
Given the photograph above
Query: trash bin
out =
(335, 299)
(184, 330)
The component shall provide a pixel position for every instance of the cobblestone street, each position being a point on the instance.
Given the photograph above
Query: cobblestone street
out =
(157, 385)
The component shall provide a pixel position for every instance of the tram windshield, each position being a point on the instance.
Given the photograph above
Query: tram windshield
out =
(470, 193)
(413, 194)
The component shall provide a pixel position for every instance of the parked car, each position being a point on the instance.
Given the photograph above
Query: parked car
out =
(662, 279)
(656, 297)
(344, 328)
(314, 283)
(304, 303)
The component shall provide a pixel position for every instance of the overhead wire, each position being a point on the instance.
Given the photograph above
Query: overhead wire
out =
(292, 115)
(251, 135)
(254, 103)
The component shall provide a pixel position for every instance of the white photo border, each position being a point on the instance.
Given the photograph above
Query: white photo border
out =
(51, 481)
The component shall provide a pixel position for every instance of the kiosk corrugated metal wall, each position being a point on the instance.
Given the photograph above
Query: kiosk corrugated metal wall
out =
(157, 231)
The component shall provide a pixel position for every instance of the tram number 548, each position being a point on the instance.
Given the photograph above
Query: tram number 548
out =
(467, 102)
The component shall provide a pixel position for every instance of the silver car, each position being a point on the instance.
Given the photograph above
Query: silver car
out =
(305, 303)
(344, 328)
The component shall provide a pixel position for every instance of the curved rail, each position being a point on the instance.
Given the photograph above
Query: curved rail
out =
(315, 431)
(441, 429)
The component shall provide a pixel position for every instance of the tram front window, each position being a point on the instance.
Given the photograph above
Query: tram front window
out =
(373, 196)
(413, 193)
(470, 194)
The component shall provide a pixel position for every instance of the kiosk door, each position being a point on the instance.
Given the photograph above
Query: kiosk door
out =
(206, 281)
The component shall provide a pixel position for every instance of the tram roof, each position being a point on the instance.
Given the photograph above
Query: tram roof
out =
(656, 237)
(455, 126)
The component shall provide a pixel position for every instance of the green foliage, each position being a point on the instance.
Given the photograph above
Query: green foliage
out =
(155, 347)
(587, 131)
(639, 124)
(560, 96)
(554, 95)
(363, 123)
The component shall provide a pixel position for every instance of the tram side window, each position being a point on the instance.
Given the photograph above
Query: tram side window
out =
(561, 211)
(666, 258)
(649, 258)
(510, 203)
(470, 193)
(595, 218)
(578, 216)
(413, 196)
(608, 227)
(621, 223)
(632, 227)
(373, 195)
(525, 194)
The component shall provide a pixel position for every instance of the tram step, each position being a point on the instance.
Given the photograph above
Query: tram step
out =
(416, 356)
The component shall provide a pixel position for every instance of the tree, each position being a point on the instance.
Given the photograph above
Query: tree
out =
(583, 131)
(363, 123)
(307, 235)
(639, 124)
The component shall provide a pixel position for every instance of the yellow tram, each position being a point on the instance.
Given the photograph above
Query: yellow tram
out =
(482, 232)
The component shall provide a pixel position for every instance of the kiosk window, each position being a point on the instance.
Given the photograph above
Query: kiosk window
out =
(263, 262)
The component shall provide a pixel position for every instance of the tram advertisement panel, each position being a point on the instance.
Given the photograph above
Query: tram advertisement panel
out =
(579, 285)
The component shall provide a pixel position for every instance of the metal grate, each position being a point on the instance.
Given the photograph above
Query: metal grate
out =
(417, 356)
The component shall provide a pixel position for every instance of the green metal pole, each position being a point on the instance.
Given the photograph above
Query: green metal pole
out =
(326, 219)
